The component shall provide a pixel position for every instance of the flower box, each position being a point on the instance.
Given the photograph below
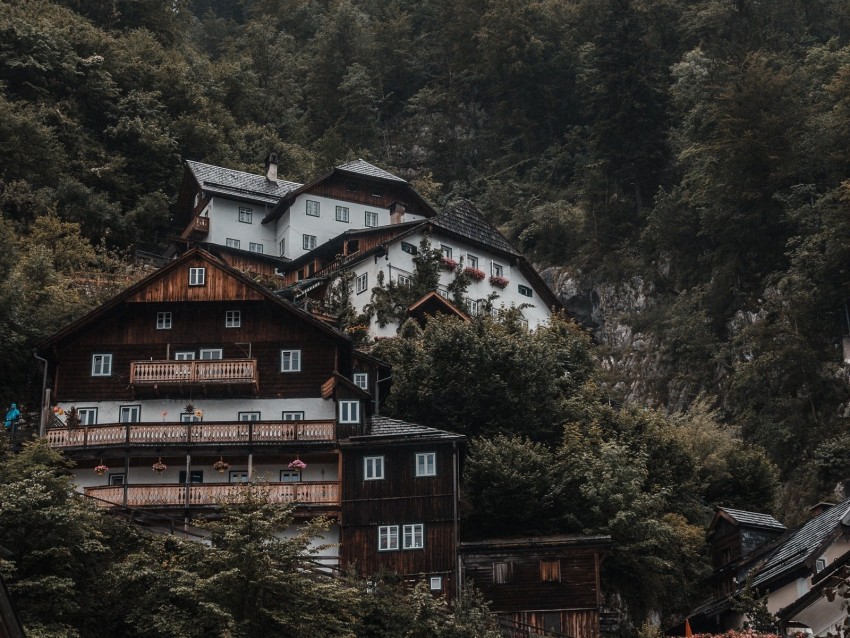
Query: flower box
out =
(475, 273)
(498, 281)
(449, 263)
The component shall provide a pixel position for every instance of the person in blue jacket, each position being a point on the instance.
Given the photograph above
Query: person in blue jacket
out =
(12, 416)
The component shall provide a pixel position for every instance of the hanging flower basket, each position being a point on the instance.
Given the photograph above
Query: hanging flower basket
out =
(475, 273)
(498, 281)
(159, 467)
(221, 466)
(297, 464)
(448, 262)
(101, 469)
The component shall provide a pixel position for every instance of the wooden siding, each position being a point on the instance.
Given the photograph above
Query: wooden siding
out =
(129, 333)
(337, 187)
(574, 623)
(249, 263)
(578, 588)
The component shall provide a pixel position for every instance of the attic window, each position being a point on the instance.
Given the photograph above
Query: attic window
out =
(197, 276)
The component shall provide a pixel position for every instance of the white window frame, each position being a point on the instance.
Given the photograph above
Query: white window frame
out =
(232, 318)
(496, 270)
(248, 416)
(404, 280)
(413, 536)
(290, 476)
(371, 220)
(197, 276)
(163, 321)
(101, 365)
(237, 476)
(290, 360)
(255, 247)
(282, 245)
(361, 380)
(446, 250)
(373, 468)
(349, 411)
(308, 242)
(246, 215)
(316, 208)
(117, 478)
(361, 283)
(127, 412)
(88, 416)
(426, 464)
(184, 356)
(290, 415)
(211, 354)
(388, 538)
(342, 214)
(189, 417)
(232, 243)
(471, 261)
(436, 583)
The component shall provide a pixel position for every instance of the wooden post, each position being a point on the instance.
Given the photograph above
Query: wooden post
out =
(126, 475)
(250, 466)
(188, 479)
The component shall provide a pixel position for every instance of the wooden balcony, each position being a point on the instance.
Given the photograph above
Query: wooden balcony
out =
(198, 228)
(210, 371)
(325, 493)
(198, 433)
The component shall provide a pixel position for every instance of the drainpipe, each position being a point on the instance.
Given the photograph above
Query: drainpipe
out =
(42, 417)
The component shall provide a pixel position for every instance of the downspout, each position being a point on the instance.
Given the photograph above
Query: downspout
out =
(42, 417)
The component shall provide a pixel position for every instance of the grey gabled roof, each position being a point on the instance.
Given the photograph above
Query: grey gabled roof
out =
(794, 548)
(362, 167)
(238, 184)
(753, 519)
(382, 427)
(462, 218)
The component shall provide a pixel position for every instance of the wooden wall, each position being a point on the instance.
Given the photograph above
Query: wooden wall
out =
(582, 623)
(339, 187)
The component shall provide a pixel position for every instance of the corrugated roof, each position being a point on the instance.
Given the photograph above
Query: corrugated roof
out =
(753, 519)
(383, 427)
(794, 547)
(362, 167)
(463, 218)
(225, 181)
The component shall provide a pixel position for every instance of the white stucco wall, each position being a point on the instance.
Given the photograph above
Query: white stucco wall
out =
(225, 224)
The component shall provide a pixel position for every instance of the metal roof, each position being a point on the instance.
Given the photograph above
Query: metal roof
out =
(462, 218)
(753, 519)
(362, 167)
(238, 184)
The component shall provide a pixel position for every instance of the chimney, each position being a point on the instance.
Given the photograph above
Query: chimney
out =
(397, 213)
(271, 167)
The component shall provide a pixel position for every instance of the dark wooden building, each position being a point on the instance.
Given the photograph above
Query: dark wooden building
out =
(550, 583)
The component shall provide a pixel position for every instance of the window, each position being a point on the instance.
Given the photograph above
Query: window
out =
(290, 361)
(293, 416)
(502, 573)
(373, 468)
(471, 261)
(238, 476)
(232, 243)
(525, 291)
(413, 536)
(342, 214)
(446, 250)
(312, 208)
(361, 283)
(282, 245)
(820, 565)
(249, 416)
(361, 380)
(163, 321)
(371, 219)
(426, 464)
(473, 306)
(197, 276)
(130, 414)
(349, 411)
(309, 242)
(232, 318)
(410, 249)
(245, 214)
(117, 478)
(255, 248)
(88, 416)
(550, 571)
(387, 538)
(208, 354)
(101, 365)
(496, 270)
(184, 356)
(189, 417)
(404, 280)
(195, 476)
(436, 583)
(290, 476)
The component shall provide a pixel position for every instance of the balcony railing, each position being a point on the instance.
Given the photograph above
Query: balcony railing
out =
(180, 372)
(197, 433)
(205, 494)
(198, 227)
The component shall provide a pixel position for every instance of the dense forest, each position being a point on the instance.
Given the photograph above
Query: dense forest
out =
(698, 148)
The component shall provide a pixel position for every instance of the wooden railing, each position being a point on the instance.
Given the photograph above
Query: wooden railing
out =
(198, 226)
(198, 433)
(200, 494)
(206, 371)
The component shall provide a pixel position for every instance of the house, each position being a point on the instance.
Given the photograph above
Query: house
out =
(197, 379)
(357, 219)
(793, 570)
(549, 584)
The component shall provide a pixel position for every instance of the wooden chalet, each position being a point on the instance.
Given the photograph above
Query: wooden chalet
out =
(540, 585)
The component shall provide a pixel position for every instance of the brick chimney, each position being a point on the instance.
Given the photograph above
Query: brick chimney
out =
(397, 210)
(271, 167)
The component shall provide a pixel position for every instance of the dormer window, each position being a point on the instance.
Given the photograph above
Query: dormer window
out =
(197, 276)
